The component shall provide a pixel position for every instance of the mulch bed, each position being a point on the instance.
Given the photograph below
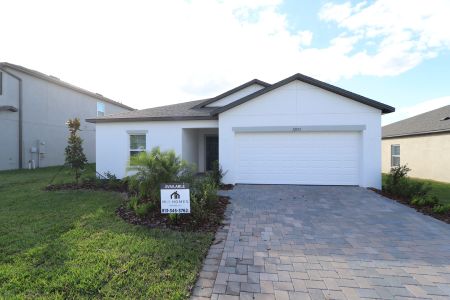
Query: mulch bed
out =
(87, 185)
(426, 210)
(158, 220)
(155, 220)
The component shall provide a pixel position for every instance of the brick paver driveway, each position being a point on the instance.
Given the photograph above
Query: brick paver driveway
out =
(305, 242)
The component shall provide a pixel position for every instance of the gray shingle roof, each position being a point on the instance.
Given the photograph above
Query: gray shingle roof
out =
(196, 110)
(426, 123)
(179, 111)
(59, 82)
(309, 80)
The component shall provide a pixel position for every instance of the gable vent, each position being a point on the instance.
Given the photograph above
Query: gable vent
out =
(445, 119)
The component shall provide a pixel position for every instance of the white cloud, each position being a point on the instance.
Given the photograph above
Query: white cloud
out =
(149, 53)
(416, 109)
(406, 32)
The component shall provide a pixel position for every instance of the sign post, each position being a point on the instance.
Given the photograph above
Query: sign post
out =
(175, 198)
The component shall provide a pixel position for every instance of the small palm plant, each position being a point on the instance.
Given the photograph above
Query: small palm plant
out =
(157, 167)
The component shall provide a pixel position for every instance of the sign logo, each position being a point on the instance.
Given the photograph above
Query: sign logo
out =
(175, 198)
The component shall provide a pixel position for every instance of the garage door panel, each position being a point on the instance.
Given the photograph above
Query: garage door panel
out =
(326, 158)
(297, 165)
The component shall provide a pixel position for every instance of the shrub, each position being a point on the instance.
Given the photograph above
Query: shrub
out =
(203, 198)
(155, 168)
(216, 173)
(398, 184)
(173, 218)
(425, 200)
(133, 203)
(111, 181)
(441, 208)
(144, 209)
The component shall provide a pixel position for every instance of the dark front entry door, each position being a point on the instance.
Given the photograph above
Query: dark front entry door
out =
(212, 151)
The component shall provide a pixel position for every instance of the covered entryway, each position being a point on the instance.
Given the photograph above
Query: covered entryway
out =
(200, 146)
(316, 158)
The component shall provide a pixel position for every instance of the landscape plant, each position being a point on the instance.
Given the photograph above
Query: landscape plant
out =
(157, 167)
(154, 168)
(398, 184)
(441, 208)
(75, 157)
(414, 192)
(217, 173)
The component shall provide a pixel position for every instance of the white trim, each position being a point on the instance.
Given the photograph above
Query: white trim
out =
(137, 132)
(307, 128)
(395, 155)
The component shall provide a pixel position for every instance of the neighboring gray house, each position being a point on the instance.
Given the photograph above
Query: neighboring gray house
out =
(34, 108)
(422, 142)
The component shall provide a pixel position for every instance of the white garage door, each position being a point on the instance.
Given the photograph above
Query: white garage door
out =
(317, 158)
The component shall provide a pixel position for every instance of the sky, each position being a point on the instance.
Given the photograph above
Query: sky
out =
(153, 53)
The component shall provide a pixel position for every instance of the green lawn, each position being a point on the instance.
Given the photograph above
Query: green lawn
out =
(70, 244)
(439, 189)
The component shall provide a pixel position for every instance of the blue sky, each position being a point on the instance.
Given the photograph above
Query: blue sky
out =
(413, 88)
(152, 53)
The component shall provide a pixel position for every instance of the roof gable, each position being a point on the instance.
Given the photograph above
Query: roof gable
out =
(331, 88)
(233, 91)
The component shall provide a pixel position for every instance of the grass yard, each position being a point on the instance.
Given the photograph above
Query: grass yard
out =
(70, 244)
(439, 189)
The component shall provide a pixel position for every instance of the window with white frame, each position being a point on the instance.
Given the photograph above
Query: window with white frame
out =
(100, 109)
(138, 143)
(395, 155)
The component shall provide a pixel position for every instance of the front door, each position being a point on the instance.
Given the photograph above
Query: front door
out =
(211, 151)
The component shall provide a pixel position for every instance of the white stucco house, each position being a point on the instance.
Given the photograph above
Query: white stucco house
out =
(297, 131)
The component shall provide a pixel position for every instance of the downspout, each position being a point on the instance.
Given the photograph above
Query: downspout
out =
(20, 115)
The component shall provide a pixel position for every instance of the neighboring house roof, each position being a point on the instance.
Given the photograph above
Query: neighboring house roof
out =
(197, 110)
(434, 121)
(331, 88)
(232, 91)
(59, 82)
(174, 112)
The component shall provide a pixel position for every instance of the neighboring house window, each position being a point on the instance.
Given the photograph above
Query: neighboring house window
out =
(100, 109)
(395, 155)
(1, 83)
(137, 144)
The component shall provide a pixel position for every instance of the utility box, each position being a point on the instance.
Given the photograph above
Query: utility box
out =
(42, 148)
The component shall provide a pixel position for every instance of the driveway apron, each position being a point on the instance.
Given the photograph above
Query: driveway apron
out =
(324, 242)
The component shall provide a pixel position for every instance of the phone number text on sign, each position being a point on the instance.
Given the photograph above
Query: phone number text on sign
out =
(175, 198)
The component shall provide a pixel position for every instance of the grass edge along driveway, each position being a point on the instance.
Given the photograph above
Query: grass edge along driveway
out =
(70, 244)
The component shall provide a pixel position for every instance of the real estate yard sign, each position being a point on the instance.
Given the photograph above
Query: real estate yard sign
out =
(175, 198)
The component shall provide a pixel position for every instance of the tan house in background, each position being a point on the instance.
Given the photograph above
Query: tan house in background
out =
(422, 142)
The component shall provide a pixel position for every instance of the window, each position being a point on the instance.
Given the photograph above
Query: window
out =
(137, 144)
(395, 155)
(1, 83)
(100, 109)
